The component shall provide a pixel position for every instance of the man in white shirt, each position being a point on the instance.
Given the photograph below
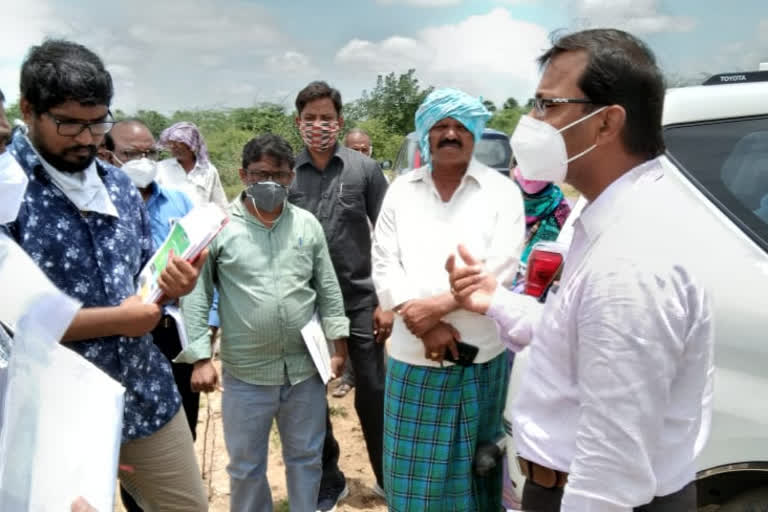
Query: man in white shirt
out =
(615, 403)
(437, 413)
(190, 169)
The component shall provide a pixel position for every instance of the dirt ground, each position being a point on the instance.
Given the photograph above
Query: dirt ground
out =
(353, 462)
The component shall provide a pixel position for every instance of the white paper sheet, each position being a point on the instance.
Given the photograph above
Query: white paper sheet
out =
(314, 338)
(62, 418)
(175, 313)
(188, 238)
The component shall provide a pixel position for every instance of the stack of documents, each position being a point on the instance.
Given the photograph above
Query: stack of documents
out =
(188, 238)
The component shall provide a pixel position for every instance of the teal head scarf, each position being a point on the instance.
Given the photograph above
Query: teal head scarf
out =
(453, 103)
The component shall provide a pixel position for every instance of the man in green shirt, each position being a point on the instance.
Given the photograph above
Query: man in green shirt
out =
(272, 268)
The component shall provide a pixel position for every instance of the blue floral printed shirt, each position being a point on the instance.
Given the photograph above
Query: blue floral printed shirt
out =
(96, 259)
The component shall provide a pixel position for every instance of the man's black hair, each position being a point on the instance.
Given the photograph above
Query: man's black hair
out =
(621, 70)
(269, 145)
(58, 71)
(317, 91)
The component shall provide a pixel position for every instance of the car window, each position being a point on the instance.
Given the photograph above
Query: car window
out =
(494, 152)
(401, 162)
(729, 160)
(405, 157)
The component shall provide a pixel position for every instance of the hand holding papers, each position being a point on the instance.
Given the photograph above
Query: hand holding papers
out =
(187, 239)
(318, 348)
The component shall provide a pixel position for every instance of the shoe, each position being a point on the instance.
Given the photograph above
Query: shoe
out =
(341, 390)
(329, 498)
(379, 491)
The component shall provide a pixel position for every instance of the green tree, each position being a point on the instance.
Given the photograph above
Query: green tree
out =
(394, 101)
(510, 104)
(227, 131)
(489, 105)
(12, 112)
(385, 142)
(505, 120)
(155, 121)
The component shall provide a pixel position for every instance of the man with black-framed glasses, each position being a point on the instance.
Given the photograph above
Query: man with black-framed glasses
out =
(616, 402)
(82, 221)
(272, 267)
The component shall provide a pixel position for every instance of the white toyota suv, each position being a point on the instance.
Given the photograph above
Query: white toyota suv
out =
(717, 153)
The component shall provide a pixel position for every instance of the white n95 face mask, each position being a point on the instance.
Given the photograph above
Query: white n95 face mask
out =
(142, 171)
(13, 185)
(539, 149)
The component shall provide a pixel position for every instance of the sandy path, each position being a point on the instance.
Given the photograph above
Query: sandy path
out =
(353, 461)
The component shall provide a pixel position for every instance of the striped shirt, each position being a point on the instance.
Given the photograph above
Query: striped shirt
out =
(270, 282)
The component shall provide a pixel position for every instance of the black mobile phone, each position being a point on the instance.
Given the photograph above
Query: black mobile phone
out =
(467, 354)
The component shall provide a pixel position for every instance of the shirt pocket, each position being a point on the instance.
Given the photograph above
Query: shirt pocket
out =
(351, 201)
(298, 259)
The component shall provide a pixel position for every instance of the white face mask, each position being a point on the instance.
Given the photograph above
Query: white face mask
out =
(539, 149)
(13, 184)
(142, 171)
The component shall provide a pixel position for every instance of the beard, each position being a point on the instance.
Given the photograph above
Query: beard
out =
(59, 162)
(78, 165)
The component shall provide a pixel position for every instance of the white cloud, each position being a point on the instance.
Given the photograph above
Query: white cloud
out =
(743, 55)
(636, 16)
(162, 55)
(290, 62)
(390, 54)
(421, 3)
(492, 55)
(762, 30)
(443, 3)
(24, 24)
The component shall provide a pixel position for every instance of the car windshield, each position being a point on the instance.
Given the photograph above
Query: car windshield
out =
(494, 152)
(729, 160)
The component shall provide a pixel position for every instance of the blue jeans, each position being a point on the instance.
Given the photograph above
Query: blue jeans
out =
(247, 412)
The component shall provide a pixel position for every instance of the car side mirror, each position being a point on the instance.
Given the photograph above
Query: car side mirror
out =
(385, 165)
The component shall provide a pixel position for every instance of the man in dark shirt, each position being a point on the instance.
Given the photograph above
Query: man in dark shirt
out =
(344, 189)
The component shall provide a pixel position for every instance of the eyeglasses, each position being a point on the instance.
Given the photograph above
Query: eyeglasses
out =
(75, 128)
(541, 104)
(135, 154)
(259, 176)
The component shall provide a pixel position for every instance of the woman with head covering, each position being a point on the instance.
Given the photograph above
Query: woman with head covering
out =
(546, 210)
(190, 169)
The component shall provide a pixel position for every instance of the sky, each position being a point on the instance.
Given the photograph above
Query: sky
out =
(168, 55)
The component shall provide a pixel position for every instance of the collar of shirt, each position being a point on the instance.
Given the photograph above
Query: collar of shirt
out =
(598, 215)
(476, 172)
(305, 158)
(198, 175)
(239, 209)
(156, 192)
(85, 189)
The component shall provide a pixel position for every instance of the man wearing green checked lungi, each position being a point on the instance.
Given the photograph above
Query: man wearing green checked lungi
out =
(437, 413)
